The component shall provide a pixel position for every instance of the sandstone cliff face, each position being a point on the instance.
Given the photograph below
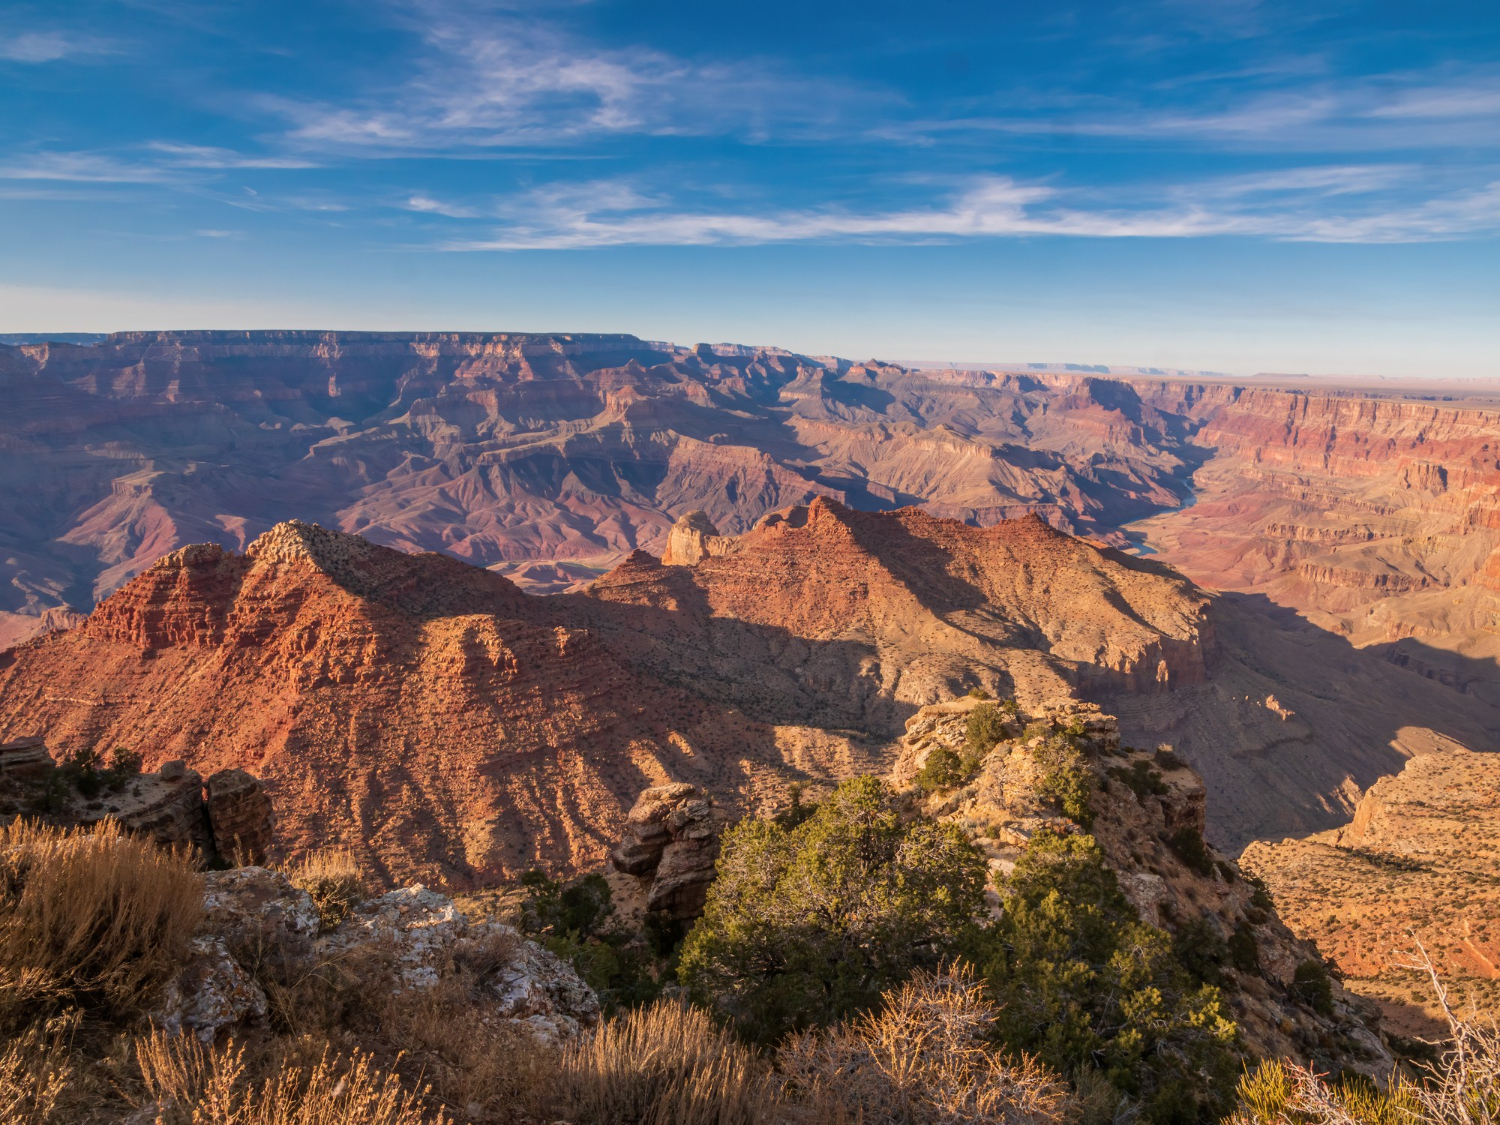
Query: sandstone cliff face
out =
(445, 726)
(1415, 864)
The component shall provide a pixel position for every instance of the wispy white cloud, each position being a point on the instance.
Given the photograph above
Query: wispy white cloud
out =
(611, 214)
(509, 78)
(1372, 113)
(82, 167)
(52, 46)
(169, 165)
(201, 156)
(1444, 101)
(426, 205)
(1306, 183)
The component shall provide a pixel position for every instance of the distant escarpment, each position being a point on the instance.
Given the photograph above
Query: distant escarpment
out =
(1380, 519)
(549, 457)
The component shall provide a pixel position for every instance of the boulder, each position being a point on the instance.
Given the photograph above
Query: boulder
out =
(26, 758)
(672, 839)
(428, 934)
(539, 989)
(251, 907)
(169, 810)
(420, 925)
(239, 813)
(211, 992)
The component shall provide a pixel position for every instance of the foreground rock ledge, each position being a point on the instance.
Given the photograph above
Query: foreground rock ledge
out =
(252, 910)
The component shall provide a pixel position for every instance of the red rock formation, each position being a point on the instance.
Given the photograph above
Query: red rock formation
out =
(901, 605)
(1332, 502)
(444, 725)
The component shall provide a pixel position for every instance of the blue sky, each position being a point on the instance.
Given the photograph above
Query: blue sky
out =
(1235, 185)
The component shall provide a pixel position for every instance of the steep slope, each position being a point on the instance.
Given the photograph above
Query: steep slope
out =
(413, 707)
(853, 618)
(456, 728)
(1146, 812)
(1416, 864)
(450, 727)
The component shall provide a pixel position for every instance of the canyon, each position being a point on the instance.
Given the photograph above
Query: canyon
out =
(548, 458)
(1340, 540)
(459, 598)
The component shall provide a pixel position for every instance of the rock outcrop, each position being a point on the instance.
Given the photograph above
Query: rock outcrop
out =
(255, 919)
(1147, 813)
(229, 816)
(239, 812)
(693, 538)
(25, 759)
(671, 842)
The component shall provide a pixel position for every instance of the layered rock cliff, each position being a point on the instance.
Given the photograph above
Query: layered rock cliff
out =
(448, 727)
(1379, 519)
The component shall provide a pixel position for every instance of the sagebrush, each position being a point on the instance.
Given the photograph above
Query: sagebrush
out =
(92, 918)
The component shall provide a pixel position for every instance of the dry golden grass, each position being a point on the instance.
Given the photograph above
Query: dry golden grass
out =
(96, 918)
(445, 1034)
(1461, 1088)
(190, 1084)
(921, 1060)
(663, 1065)
(35, 1071)
(334, 881)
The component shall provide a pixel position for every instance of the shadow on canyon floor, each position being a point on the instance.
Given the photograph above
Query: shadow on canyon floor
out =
(1295, 722)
